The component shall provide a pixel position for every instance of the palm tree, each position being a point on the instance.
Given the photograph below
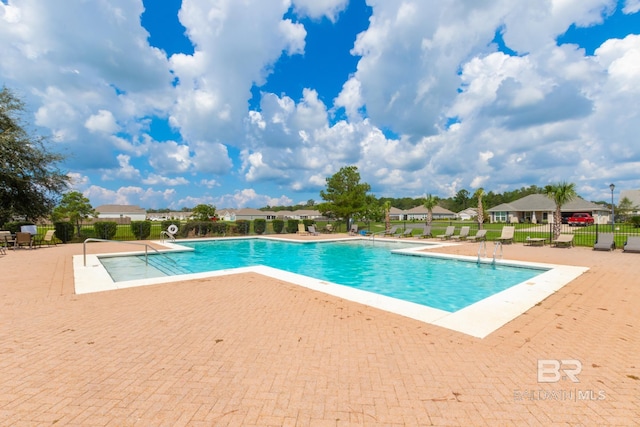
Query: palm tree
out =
(560, 193)
(430, 202)
(387, 217)
(479, 194)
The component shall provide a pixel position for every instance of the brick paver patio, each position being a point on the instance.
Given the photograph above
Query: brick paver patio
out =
(249, 350)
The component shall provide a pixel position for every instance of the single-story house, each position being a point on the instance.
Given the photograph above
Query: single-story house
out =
(634, 198)
(468, 214)
(136, 213)
(536, 208)
(420, 213)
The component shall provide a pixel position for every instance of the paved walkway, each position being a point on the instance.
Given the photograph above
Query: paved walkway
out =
(247, 350)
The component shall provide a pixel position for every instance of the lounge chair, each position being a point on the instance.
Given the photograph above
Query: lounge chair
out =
(426, 232)
(604, 242)
(23, 239)
(49, 238)
(507, 234)
(391, 231)
(480, 236)
(447, 233)
(301, 230)
(632, 244)
(406, 233)
(353, 230)
(312, 230)
(464, 233)
(563, 240)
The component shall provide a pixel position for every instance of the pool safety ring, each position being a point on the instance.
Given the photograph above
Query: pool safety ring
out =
(173, 229)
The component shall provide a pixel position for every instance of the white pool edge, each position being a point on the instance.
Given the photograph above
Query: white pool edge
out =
(478, 320)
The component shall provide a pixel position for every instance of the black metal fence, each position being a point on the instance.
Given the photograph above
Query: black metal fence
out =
(583, 236)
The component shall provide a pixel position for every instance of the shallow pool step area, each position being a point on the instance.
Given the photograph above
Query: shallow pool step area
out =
(123, 269)
(166, 265)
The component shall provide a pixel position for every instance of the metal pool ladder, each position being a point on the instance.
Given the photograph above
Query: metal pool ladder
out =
(482, 251)
(495, 251)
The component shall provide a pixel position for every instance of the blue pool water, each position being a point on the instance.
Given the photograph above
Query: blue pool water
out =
(439, 283)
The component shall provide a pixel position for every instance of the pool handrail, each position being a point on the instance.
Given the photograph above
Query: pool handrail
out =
(93, 239)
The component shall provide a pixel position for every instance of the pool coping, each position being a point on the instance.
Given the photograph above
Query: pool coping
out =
(478, 320)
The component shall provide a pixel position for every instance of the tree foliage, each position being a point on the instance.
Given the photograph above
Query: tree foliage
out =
(75, 207)
(345, 196)
(560, 193)
(430, 202)
(30, 181)
(204, 212)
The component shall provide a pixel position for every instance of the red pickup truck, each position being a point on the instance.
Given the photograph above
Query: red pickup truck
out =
(580, 219)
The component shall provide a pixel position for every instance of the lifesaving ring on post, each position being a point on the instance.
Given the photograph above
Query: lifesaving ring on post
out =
(173, 229)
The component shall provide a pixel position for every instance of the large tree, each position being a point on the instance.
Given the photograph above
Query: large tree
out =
(560, 193)
(345, 196)
(30, 181)
(75, 207)
(204, 212)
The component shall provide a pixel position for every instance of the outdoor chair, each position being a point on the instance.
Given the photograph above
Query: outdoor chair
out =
(604, 242)
(464, 233)
(507, 234)
(426, 232)
(479, 236)
(391, 231)
(23, 239)
(49, 238)
(450, 230)
(353, 230)
(407, 233)
(312, 230)
(632, 244)
(301, 230)
(563, 240)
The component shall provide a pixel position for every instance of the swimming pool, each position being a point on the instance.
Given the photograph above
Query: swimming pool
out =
(444, 284)
(478, 319)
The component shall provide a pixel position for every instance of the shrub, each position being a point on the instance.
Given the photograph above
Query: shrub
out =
(141, 229)
(260, 225)
(242, 226)
(635, 220)
(105, 229)
(64, 230)
(219, 228)
(199, 228)
(278, 226)
(292, 225)
(307, 223)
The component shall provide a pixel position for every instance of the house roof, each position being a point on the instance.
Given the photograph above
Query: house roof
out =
(133, 209)
(421, 210)
(540, 202)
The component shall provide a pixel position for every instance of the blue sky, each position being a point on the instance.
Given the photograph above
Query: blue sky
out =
(254, 103)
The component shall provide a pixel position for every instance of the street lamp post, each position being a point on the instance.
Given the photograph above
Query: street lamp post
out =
(613, 214)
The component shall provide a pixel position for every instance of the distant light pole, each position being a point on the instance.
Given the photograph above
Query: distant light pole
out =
(613, 214)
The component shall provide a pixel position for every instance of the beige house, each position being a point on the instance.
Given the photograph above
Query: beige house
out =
(136, 213)
(537, 208)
